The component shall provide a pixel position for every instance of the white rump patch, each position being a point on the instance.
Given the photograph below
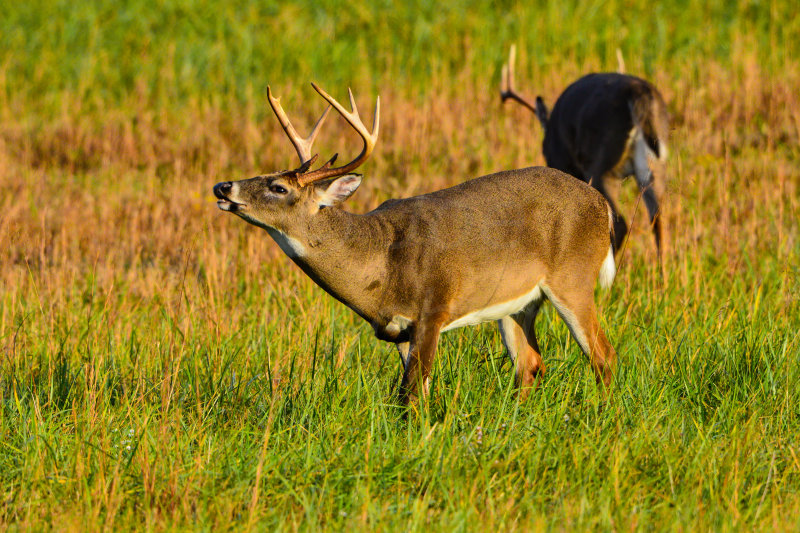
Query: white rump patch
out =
(637, 155)
(498, 311)
(608, 270)
(290, 246)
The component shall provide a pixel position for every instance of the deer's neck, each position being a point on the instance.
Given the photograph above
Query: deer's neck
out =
(341, 252)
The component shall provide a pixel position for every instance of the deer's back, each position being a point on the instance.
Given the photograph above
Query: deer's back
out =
(525, 213)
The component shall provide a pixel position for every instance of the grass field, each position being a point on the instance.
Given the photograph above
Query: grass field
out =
(163, 366)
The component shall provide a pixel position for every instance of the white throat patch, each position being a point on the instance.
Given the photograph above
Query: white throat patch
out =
(290, 246)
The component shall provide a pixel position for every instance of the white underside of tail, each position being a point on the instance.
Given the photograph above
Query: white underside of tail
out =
(608, 269)
(638, 157)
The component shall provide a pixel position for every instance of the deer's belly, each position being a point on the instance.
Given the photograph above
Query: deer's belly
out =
(497, 311)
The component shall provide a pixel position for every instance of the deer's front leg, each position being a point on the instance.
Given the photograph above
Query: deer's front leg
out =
(419, 362)
(403, 348)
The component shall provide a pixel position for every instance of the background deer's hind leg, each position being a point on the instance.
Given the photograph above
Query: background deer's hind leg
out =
(650, 172)
(608, 185)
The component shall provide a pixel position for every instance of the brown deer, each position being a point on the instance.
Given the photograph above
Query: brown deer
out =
(606, 125)
(492, 248)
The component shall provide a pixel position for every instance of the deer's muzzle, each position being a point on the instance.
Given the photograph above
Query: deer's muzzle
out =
(221, 191)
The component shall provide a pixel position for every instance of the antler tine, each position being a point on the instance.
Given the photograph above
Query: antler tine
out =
(353, 118)
(352, 101)
(507, 81)
(509, 68)
(303, 146)
(620, 62)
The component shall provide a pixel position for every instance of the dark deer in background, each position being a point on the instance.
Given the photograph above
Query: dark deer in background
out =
(606, 125)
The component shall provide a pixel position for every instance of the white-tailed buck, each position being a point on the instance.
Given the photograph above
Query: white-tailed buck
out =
(606, 125)
(493, 248)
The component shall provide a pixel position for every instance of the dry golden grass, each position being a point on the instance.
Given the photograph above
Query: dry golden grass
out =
(130, 201)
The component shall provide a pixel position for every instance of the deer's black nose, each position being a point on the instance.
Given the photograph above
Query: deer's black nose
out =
(221, 190)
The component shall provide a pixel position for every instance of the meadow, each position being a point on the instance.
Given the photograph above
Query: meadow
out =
(164, 367)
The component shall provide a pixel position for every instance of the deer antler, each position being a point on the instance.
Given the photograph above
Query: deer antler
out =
(620, 62)
(303, 146)
(507, 82)
(352, 118)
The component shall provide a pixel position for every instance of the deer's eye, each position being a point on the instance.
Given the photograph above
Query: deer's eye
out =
(277, 189)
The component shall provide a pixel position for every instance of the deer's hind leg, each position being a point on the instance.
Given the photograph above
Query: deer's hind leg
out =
(575, 306)
(519, 338)
(650, 175)
(607, 185)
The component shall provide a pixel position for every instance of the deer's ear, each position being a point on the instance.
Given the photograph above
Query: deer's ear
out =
(335, 191)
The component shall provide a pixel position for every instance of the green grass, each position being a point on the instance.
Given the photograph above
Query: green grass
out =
(103, 54)
(163, 367)
(150, 424)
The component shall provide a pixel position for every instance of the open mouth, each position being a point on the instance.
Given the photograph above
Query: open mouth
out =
(227, 204)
